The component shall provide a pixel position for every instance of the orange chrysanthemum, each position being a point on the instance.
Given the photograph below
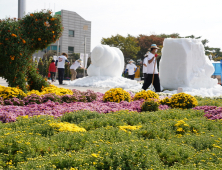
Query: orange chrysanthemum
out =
(13, 35)
(12, 57)
(31, 15)
(23, 41)
(39, 39)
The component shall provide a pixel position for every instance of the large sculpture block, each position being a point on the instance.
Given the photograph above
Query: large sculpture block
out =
(184, 64)
(106, 61)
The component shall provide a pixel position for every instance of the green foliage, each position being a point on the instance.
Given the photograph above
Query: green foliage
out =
(206, 101)
(40, 66)
(74, 56)
(19, 39)
(128, 45)
(32, 143)
(150, 105)
(35, 80)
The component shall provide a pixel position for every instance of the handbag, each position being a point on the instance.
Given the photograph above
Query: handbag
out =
(49, 75)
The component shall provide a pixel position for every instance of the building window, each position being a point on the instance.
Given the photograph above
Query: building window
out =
(51, 48)
(70, 49)
(54, 48)
(71, 33)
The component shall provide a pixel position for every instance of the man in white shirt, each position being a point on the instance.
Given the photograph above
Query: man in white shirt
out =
(131, 69)
(145, 65)
(73, 68)
(60, 63)
(152, 70)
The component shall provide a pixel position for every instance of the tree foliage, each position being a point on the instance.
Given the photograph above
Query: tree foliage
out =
(19, 39)
(129, 45)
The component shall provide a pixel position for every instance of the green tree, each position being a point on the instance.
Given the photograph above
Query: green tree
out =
(128, 45)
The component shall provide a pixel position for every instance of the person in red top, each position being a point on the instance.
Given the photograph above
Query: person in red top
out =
(52, 70)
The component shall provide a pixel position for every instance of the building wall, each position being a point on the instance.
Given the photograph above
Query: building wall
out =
(73, 21)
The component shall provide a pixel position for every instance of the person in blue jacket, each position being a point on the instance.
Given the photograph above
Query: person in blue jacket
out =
(131, 69)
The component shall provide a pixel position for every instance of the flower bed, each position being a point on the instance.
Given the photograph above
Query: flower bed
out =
(169, 139)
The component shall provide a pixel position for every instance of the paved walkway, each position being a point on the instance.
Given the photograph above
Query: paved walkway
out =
(102, 90)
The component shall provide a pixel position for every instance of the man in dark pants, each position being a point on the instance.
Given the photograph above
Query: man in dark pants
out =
(131, 69)
(152, 68)
(60, 63)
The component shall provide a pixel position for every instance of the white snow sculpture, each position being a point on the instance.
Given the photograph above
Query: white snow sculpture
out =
(184, 64)
(106, 61)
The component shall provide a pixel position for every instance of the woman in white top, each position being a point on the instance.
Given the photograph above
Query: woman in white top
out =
(152, 71)
(73, 68)
(131, 69)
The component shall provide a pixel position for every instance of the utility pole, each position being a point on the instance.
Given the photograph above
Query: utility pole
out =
(57, 47)
(21, 8)
(84, 73)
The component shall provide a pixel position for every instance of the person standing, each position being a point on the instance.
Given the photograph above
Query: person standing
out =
(145, 65)
(60, 63)
(52, 70)
(152, 70)
(73, 68)
(131, 69)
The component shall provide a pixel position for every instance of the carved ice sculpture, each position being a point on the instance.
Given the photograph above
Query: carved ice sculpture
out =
(184, 64)
(106, 61)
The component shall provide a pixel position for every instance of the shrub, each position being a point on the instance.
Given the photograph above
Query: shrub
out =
(32, 99)
(14, 101)
(165, 101)
(66, 98)
(145, 95)
(58, 91)
(87, 96)
(116, 95)
(10, 92)
(150, 105)
(206, 101)
(90, 95)
(51, 96)
(34, 92)
(19, 39)
(183, 100)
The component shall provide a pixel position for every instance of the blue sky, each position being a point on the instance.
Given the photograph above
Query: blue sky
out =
(111, 17)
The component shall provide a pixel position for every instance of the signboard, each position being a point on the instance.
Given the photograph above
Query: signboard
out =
(86, 59)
